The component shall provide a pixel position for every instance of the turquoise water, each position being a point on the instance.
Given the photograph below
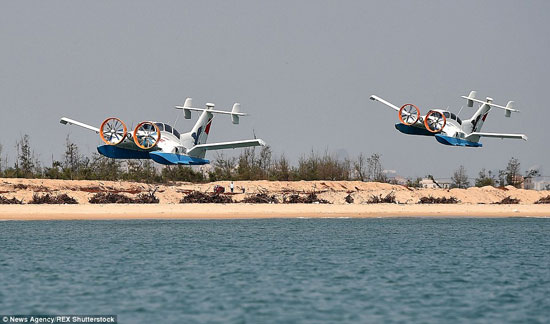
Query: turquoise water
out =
(280, 271)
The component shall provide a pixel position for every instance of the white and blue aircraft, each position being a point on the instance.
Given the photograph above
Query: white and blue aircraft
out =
(161, 142)
(447, 127)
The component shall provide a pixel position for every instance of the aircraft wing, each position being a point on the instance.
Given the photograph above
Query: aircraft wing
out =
(225, 145)
(67, 121)
(475, 136)
(376, 98)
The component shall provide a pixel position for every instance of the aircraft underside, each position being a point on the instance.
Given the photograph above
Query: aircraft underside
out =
(454, 141)
(114, 152)
(446, 140)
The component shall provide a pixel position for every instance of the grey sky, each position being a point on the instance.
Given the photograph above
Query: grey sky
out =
(303, 69)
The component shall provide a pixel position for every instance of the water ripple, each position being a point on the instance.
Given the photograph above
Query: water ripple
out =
(273, 271)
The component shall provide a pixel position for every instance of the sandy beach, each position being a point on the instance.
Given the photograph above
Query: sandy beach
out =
(473, 202)
(245, 211)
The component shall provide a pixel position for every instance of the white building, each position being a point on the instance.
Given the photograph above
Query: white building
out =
(430, 184)
(537, 183)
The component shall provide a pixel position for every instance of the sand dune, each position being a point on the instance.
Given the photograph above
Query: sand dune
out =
(473, 201)
(333, 191)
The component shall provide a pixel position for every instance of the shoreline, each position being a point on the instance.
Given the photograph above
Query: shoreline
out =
(264, 211)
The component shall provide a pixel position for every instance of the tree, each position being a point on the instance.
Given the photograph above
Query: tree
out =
(141, 171)
(53, 172)
(332, 168)
(359, 166)
(73, 163)
(531, 173)
(105, 168)
(26, 162)
(254, 167)
(374, 169)
(325, 167)
(264, 161)
(249, 165)
(414, 183)
(223, 168)
(460, 178)
(485, 178)
(181, 173)
(281, 169)
(308, 167)
(501, 178)
(512, 172)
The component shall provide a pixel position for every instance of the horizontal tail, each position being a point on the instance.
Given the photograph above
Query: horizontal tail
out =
(235, 112)
(508, 109)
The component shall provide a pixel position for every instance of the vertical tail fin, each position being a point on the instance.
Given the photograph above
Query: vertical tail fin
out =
(236, 109)
(188, 104)
(509, 109)
(199, 133)
(202, 129)
(476, 122)
(471, 96)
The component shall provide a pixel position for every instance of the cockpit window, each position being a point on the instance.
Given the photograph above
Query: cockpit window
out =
(167, 128)
(455, 117)
(446, 114)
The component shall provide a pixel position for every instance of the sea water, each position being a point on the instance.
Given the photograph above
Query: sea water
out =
(280, 270)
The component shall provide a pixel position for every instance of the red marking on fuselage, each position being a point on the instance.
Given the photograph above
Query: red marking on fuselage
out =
(484, 116)
(207, 130)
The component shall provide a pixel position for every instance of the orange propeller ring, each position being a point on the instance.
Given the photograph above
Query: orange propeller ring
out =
(409, 114)
(112, 131)
(435, 121)
(146, 135)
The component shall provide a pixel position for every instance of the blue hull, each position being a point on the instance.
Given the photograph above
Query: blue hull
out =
(410, 130)
(456, 141)
(446, 140)
(170, 159)
(159, 157)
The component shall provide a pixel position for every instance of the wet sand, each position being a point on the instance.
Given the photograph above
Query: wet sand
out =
(247, 211)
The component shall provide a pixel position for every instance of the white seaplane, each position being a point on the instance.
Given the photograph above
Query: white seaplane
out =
(161, 142)
(447, 127)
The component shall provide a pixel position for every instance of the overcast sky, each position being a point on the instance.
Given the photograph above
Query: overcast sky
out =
(303, 69)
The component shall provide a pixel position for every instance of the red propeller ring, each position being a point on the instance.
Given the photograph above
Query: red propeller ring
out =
(409, 114)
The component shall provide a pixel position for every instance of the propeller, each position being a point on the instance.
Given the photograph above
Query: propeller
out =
(435, 121)
(112, 131)
(146, 135)
(409, 114)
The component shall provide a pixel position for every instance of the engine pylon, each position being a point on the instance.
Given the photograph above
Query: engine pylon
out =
(113, 131)
(146, 135)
